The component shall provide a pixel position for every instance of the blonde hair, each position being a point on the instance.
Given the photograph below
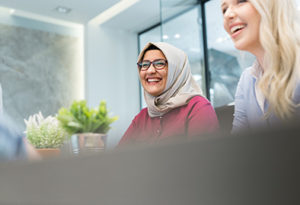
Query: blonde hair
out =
(279, 36)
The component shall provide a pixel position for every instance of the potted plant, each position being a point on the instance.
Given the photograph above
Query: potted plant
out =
(45, 134)
(88, 127)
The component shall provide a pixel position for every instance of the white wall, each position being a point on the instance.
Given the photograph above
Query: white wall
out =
(111, 74)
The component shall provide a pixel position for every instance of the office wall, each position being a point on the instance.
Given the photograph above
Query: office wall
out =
(111, 75)
(41, 67)
(45, 66)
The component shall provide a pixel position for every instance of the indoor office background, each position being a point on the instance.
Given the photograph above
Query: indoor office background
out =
(49, 59)
(197, 28)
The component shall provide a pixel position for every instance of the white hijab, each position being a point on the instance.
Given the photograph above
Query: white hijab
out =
(180, 86)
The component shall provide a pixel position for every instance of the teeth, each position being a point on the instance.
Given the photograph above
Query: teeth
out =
(235, 28)
(153, 80)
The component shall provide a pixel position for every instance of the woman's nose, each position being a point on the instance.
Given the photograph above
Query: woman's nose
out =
(230, 13)
(151, 69)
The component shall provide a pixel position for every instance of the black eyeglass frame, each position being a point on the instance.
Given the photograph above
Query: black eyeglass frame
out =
(140, 65)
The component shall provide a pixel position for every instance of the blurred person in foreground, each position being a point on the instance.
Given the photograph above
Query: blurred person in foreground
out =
(175, 105)
(268, 93)
(13, 146)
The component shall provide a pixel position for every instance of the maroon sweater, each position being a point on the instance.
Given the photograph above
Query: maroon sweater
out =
(195, 118)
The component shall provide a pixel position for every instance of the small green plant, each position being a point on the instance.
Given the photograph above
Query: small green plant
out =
(44, 132)
(80, 119)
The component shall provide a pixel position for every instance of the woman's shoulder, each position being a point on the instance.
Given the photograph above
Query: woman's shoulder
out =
(247, 73)
(199, 101)
(200, 109)
(247, 79)
(142, 114)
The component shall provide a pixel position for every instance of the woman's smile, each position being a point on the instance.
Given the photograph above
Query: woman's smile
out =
(236, 29)
(152, 80)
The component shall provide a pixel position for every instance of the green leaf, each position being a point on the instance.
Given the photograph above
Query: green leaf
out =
(79, 118)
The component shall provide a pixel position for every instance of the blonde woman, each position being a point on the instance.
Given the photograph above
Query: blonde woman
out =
(175, 106)
(268, 93)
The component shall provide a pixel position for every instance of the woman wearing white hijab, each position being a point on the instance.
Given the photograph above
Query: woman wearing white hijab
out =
(175, 106)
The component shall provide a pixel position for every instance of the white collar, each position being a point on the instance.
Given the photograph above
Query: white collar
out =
(256, 70)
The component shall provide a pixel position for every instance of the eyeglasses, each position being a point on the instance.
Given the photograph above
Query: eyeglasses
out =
(158, 64)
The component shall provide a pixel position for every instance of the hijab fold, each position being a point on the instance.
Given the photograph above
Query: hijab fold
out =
(180, 86)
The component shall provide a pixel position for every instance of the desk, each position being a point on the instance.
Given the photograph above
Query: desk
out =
(261, 168)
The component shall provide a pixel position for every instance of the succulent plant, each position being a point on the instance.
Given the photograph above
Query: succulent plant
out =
(44, 132)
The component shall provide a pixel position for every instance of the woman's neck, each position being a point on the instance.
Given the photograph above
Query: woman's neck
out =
(260, 60)
(259, 54)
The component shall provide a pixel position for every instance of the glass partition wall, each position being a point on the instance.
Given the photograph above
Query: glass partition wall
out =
(196, 27)
(183, 30)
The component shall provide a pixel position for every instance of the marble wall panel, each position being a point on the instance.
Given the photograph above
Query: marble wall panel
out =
(39, 71)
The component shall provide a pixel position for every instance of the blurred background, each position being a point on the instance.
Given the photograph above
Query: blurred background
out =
(55, 52)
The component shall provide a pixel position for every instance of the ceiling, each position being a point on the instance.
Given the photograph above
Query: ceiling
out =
(138, 17)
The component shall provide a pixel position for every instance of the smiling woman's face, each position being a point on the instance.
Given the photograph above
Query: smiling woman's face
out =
(241, 21)
(154, 81)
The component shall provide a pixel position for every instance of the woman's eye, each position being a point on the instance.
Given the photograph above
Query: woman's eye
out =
(242, 1)
(159, 64)
(145, 65)
(224, 10)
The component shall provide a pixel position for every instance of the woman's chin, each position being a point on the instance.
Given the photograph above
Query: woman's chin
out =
(154, 92)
